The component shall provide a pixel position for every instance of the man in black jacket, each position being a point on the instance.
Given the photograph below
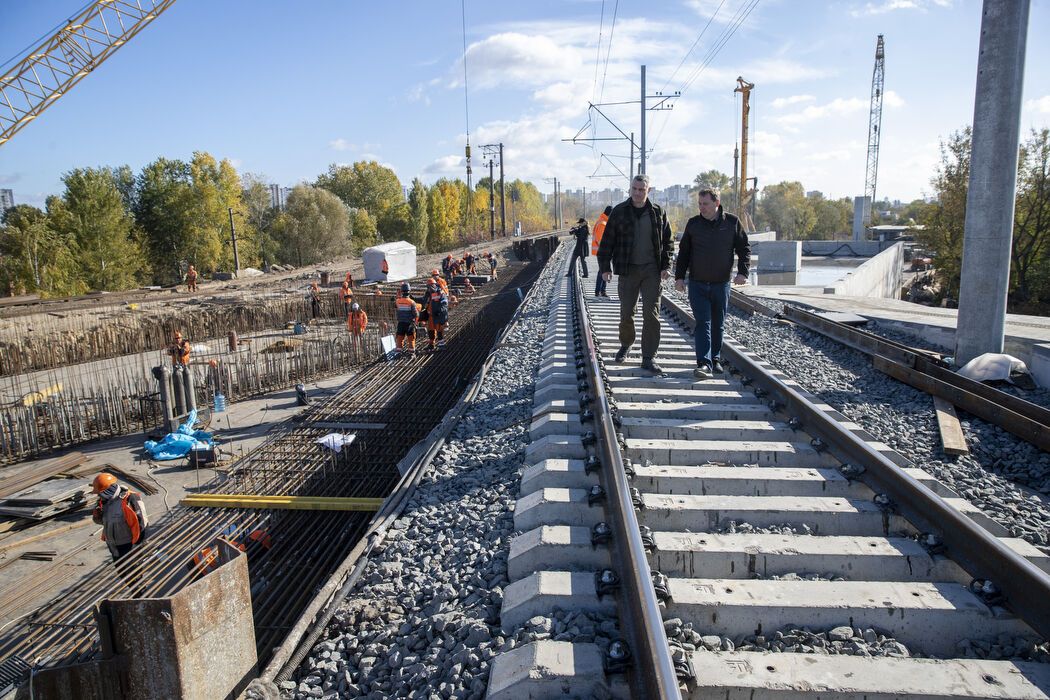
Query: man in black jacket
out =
(579, 252)
(705, 256)
(636, 246)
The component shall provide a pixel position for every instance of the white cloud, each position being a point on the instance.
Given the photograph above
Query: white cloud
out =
(341, 145)
(835, 154)
(445, 166)
(892, 99)
(880, 8)
(837, 107)
(1040, 105)
(782, 102)
(515, 59)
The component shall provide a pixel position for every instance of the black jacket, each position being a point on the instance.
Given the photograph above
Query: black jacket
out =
(706, 251)
(581, 233)
(614, 252)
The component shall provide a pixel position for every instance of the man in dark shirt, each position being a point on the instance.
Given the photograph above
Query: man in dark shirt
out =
(579, 252)
(636, 246)
(705, 257)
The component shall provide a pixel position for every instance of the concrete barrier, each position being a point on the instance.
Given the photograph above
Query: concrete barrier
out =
(777, 256)
(762, 237)
(1039, 364)
(879, 277)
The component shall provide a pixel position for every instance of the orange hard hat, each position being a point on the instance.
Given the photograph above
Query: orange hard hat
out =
(102, 482)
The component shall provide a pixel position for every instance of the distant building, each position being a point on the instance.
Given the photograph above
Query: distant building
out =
(815, 194)
(7, 199)
(279, 196)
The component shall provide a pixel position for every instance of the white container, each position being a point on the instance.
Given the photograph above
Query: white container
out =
(400, 258)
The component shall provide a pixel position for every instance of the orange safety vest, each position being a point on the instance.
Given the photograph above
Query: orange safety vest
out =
(205, 559)
(347, 294)
(130, 517)
(596, 234)
(357, 321)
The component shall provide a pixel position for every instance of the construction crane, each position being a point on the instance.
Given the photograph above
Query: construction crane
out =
(871, 173)
(744, 196)
(62, 60)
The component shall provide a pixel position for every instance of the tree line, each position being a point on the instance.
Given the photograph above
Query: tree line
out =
(112, 229)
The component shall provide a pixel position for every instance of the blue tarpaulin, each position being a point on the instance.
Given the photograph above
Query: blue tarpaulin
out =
(178, 444)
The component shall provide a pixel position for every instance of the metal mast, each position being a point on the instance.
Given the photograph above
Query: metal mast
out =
(878, 77)
(744, 194)
(63, 59)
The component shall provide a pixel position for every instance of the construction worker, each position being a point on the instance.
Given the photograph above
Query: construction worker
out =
(347, 296)
(121, 514)
(579, 251)
(446, 267)
(406, 311)
(493, 263)
(436, 308)
(356, 323)
(468, 287)
(596, 238)
(315, 300)
(349, 279)
(440, 280)
(468, 261)
(191, 279)
(180, 350)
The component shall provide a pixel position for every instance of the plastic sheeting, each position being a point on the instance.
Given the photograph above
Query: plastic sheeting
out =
(400, 257)
(336, 441)
(991, 367)
(179, 443)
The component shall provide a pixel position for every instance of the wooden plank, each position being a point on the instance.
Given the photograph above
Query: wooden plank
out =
(952, 439)
(1020, 425)
(14, 544)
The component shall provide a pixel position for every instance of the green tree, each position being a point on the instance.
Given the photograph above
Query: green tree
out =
(363, 185)
(33, 257)
(314, 226)
(945, 219)
(419, 226)
(785, 209)
(364, 232)
(443, 210)
(164, 204)
(261, 215)
(91, 213)
(1030, 250)
(527, 206)
(830, 216)
(716, 178)
(216, 190)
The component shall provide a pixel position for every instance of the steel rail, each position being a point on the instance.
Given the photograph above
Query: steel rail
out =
(981, 554)
(639, 605)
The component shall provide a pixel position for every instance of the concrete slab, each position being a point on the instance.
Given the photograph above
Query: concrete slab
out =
(551, 423)
(670, 428)
(555, 447)
(696, 555)
(555, 547)
(555, 506)
(926, 617)
(696, 410)
(555, 392)
(738, 675)
(542, 592)
(554, 379)
(549, 669)
(556, 473)
(696, 391)
(824, 516)
(844, 317)
(772, 453)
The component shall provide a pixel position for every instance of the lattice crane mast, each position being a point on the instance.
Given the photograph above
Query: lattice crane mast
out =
(871, 173)
(744, 195)
(63, 59)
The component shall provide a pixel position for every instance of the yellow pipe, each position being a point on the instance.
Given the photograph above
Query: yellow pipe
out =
(228, 500)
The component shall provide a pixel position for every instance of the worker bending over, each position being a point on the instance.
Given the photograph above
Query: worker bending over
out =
(436, 309)
(406, 312)
(492, 265)
(180, 350)
(121, 514)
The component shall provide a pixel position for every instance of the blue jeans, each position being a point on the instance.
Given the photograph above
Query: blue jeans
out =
(599, 284)
(708, 301)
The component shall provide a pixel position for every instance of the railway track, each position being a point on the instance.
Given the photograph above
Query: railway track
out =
(792, 554)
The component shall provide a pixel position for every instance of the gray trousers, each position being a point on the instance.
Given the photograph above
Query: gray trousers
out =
(641, 280)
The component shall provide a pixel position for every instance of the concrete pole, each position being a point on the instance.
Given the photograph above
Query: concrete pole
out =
(641, 151)
(993, 180)
(502, 197)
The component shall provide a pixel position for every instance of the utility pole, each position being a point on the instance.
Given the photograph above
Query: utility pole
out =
(492, 203)
(502, 196)
(630, 173)
(991, 194)
(641, 151)
(233, 239)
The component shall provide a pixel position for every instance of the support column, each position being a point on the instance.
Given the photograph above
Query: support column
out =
(993, 180)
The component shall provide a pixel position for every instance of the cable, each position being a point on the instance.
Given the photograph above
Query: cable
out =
(690, 51)
(608, 52)
(723, 39)
(466, 92)
(598, 52)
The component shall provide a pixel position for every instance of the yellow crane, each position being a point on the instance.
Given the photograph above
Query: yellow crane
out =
(743, 194)
(62, 60)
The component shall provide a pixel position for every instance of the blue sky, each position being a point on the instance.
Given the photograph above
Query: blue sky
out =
(284, 89)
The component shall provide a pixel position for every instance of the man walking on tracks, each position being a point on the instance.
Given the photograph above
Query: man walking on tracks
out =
(579, 251)
(636, 246)
(705, 258)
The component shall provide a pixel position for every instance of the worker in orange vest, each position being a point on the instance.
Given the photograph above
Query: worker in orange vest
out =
(121, 514)
(191, 279)
(347, 297)
(446, 267)
(349, 279)
(440, 280)
(180, 350)
(315, 300)
(356, 323)
(406, 312)
(596, 238)
(436, 308)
